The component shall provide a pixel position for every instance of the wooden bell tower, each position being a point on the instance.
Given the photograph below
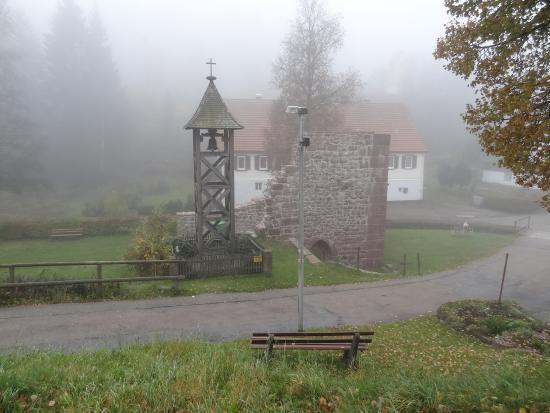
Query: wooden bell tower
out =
(213, 156)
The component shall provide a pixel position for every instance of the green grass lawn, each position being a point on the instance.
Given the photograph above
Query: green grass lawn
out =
(439, 250)
(412, 366)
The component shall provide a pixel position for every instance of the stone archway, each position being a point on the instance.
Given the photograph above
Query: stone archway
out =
(322, 250)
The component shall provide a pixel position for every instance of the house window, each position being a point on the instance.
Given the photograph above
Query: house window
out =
(393, 162)
(404, 190)
(258, 186)
(241, 163)
(262, 163)
(409, 161)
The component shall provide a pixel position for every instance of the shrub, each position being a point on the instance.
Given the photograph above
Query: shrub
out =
(145, 210)
(172, 206)
(152, 243)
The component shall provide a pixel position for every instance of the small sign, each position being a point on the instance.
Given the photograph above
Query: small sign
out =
(257, 258)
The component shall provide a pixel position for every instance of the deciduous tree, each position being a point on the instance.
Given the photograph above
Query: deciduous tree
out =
(503, 49)
(304, 74)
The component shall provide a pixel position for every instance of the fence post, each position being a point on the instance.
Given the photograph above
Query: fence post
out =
(502, 282)
(99, 273)
(404, 264)
(358, 252)
(12, 274)
(418, 262)
(267, 261)
(155, 269)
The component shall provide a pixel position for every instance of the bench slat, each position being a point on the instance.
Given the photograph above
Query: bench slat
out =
(309, 347)
(315, 334)
(278, 340)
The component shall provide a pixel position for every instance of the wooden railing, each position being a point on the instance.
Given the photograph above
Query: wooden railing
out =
(183, 268)
(522, 224)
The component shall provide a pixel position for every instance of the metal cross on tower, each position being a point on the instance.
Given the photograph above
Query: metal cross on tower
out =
(211, 63)
(214, 170)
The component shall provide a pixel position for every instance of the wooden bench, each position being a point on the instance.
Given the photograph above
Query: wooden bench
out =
(351, 342)
(66, 233)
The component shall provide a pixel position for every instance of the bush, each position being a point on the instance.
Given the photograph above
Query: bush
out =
(172, 206)
(145, 210)
(152, 242)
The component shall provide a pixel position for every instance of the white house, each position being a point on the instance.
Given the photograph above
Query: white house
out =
(498, 176)
(406, 162)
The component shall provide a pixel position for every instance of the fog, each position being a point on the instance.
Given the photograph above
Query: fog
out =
(151, 59)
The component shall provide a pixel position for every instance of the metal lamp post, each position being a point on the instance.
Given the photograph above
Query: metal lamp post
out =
(300, 111)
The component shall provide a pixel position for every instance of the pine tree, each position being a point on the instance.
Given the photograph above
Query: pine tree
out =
(88, 117)
(18, 168)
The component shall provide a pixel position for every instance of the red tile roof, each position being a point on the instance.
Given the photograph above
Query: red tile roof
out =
(390, 118)
(254, 115)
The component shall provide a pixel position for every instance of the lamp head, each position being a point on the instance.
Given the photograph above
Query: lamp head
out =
(298, 110)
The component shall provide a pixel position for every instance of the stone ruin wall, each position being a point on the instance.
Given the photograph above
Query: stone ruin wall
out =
(345, 190)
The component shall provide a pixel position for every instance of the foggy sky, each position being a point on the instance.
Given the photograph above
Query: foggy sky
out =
(163, 44)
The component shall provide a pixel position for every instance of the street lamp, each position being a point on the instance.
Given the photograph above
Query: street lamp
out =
(300, 111)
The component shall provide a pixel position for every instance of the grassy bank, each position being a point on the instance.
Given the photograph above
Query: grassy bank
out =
(412, 366)
(439, 250)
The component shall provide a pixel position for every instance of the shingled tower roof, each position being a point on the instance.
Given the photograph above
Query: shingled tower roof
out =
(212, 112)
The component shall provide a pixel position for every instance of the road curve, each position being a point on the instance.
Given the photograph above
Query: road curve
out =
(73, 327)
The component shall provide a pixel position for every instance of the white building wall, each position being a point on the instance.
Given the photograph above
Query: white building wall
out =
(406, 184)
(403, 184)
(248, 181)
(498, 177)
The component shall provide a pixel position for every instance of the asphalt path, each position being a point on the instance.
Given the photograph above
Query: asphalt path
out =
(73, 327)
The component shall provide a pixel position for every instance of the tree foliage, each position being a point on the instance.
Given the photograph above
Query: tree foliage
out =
(503, 49)
(303, 72)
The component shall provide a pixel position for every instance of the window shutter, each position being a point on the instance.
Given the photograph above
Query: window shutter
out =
(396, 161)
(235, 162)
(257, 162)
(414, 162)
(247, 162)
(268, 163)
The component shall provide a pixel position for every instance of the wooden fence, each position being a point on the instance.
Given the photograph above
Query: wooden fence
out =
(180, 269)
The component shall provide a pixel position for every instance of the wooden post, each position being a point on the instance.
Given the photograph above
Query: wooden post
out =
(12, 274)
(358, 252)
(267, 262)
(503, 276)
(155, 269)
(404, 264)
(99, 273)
(418, 262)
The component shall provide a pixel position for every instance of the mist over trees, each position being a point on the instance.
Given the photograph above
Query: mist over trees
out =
(18, 146)
(86, 122)
(304, 74)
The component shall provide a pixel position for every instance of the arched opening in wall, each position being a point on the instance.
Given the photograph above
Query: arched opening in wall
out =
(321, 250)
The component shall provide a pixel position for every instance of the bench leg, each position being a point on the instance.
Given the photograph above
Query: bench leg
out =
(350, 355)
(269, 348)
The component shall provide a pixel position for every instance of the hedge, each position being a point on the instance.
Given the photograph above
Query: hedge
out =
(41, 229)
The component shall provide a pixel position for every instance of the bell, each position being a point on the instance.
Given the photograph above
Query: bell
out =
(212, 144)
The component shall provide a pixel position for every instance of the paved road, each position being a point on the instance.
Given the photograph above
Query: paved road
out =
(72, 327)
